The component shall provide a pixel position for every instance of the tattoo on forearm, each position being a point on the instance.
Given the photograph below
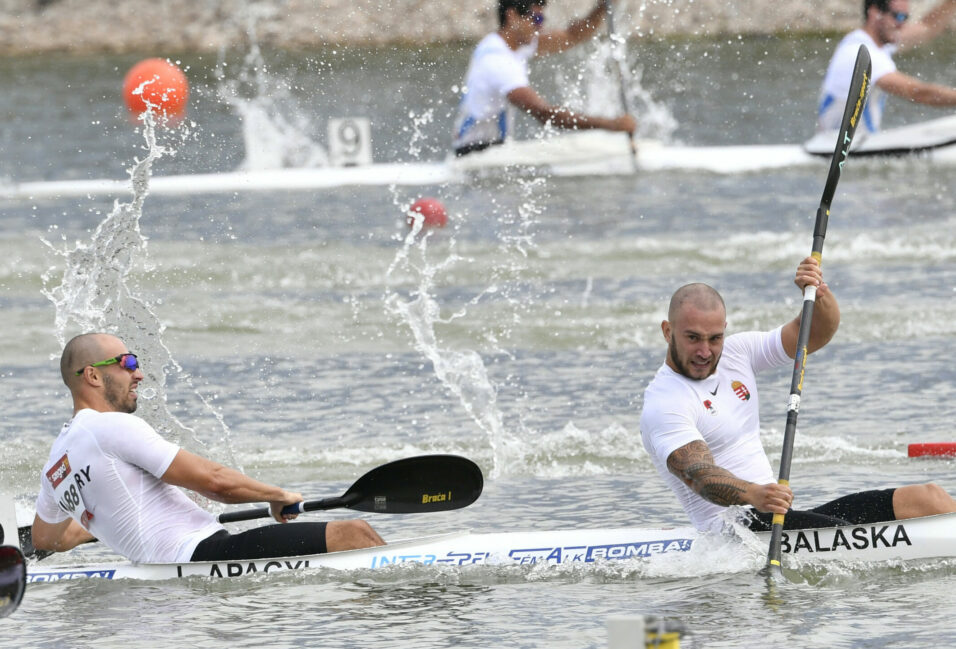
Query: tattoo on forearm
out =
(694, 465)
(722, 493)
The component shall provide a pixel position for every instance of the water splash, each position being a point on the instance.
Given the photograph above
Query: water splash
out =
(97, 291)
(593, 84)
(272, 140)
(418, 137)
(511, 284)
(461, 371)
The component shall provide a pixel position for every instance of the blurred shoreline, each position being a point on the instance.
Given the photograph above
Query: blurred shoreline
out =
(168, 26)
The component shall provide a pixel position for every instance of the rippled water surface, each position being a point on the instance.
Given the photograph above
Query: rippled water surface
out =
(307, 341)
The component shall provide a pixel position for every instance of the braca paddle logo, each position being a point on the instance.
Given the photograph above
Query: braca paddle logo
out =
(442, 497)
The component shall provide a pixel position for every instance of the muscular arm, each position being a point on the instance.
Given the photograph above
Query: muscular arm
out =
(915, 90)
(694, 465)
(559, 40)
(58, 537)
(929, 27)
(529, 101)
(223, 484)
(826, 311)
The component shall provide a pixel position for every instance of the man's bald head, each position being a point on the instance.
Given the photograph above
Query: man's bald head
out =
(700, 296)
(81, 351)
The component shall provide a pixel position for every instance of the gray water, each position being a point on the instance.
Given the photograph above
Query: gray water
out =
(294, 353)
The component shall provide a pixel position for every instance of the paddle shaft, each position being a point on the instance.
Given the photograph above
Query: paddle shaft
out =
(621, 76)
(856, 99)
(297, 508)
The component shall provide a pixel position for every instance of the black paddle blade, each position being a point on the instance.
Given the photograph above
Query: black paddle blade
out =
(856, 98)
(413, 485)
(427, 483)
(13, 579)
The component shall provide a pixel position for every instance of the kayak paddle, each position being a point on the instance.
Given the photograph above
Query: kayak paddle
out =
(413, 485)
(856, 100)
(621, 77)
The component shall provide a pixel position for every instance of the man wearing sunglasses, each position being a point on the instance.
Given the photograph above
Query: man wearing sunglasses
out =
(886, 28)
(111, 477)
(497, 84)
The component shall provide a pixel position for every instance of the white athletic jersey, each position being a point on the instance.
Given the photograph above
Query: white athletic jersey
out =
(104, 471)
(484, 113)
(836, 83)
(722, 410)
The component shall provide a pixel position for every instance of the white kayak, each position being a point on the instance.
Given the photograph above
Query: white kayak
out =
(934, 139)
(585, 153)
(582, 153)
(914, 539)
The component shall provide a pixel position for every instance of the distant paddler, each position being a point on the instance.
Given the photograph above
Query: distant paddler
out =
(497, 85)
(886, 28)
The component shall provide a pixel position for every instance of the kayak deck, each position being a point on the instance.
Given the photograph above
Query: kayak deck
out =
(913, 539)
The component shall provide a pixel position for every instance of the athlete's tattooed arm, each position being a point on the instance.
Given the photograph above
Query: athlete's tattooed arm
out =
(694, 464)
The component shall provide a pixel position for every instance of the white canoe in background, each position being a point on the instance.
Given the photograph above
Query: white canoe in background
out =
(583, 153)
(914, 539)
(934, 139)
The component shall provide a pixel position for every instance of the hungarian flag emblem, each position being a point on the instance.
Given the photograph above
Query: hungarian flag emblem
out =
(741, 390)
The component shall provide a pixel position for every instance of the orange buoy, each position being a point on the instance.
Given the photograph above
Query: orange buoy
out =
(159, 83)
(938, 449)
(432, 211)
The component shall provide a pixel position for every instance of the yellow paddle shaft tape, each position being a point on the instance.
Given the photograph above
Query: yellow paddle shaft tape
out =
(666, 640)
(778, 518)
(818, 256)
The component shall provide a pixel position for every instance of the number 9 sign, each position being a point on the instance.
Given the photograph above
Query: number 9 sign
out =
(350, 142)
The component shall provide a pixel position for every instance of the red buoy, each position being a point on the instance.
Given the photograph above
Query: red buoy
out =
(432, 211)
(166, 87)
(938, 449)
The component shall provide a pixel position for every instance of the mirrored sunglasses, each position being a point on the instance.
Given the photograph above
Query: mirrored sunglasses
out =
(126, 361)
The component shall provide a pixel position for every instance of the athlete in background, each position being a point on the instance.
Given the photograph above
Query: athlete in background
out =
(886, 28)
(496, 85)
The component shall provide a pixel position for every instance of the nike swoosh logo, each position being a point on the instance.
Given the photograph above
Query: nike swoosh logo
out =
(714, 393)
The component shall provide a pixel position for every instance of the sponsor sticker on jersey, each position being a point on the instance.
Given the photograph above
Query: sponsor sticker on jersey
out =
(59, 471)
(710, 407)
(741, 390)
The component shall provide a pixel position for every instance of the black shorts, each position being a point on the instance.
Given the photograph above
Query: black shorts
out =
(861, 508)
(266, 542)
(475, 146)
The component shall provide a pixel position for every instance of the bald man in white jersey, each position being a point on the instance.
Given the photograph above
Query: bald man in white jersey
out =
(111, 477)
(700, 421)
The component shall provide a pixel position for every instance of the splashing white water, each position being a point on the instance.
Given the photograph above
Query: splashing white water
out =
(97, 292)
(462, 372)
(272, 139)
(594, 83)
